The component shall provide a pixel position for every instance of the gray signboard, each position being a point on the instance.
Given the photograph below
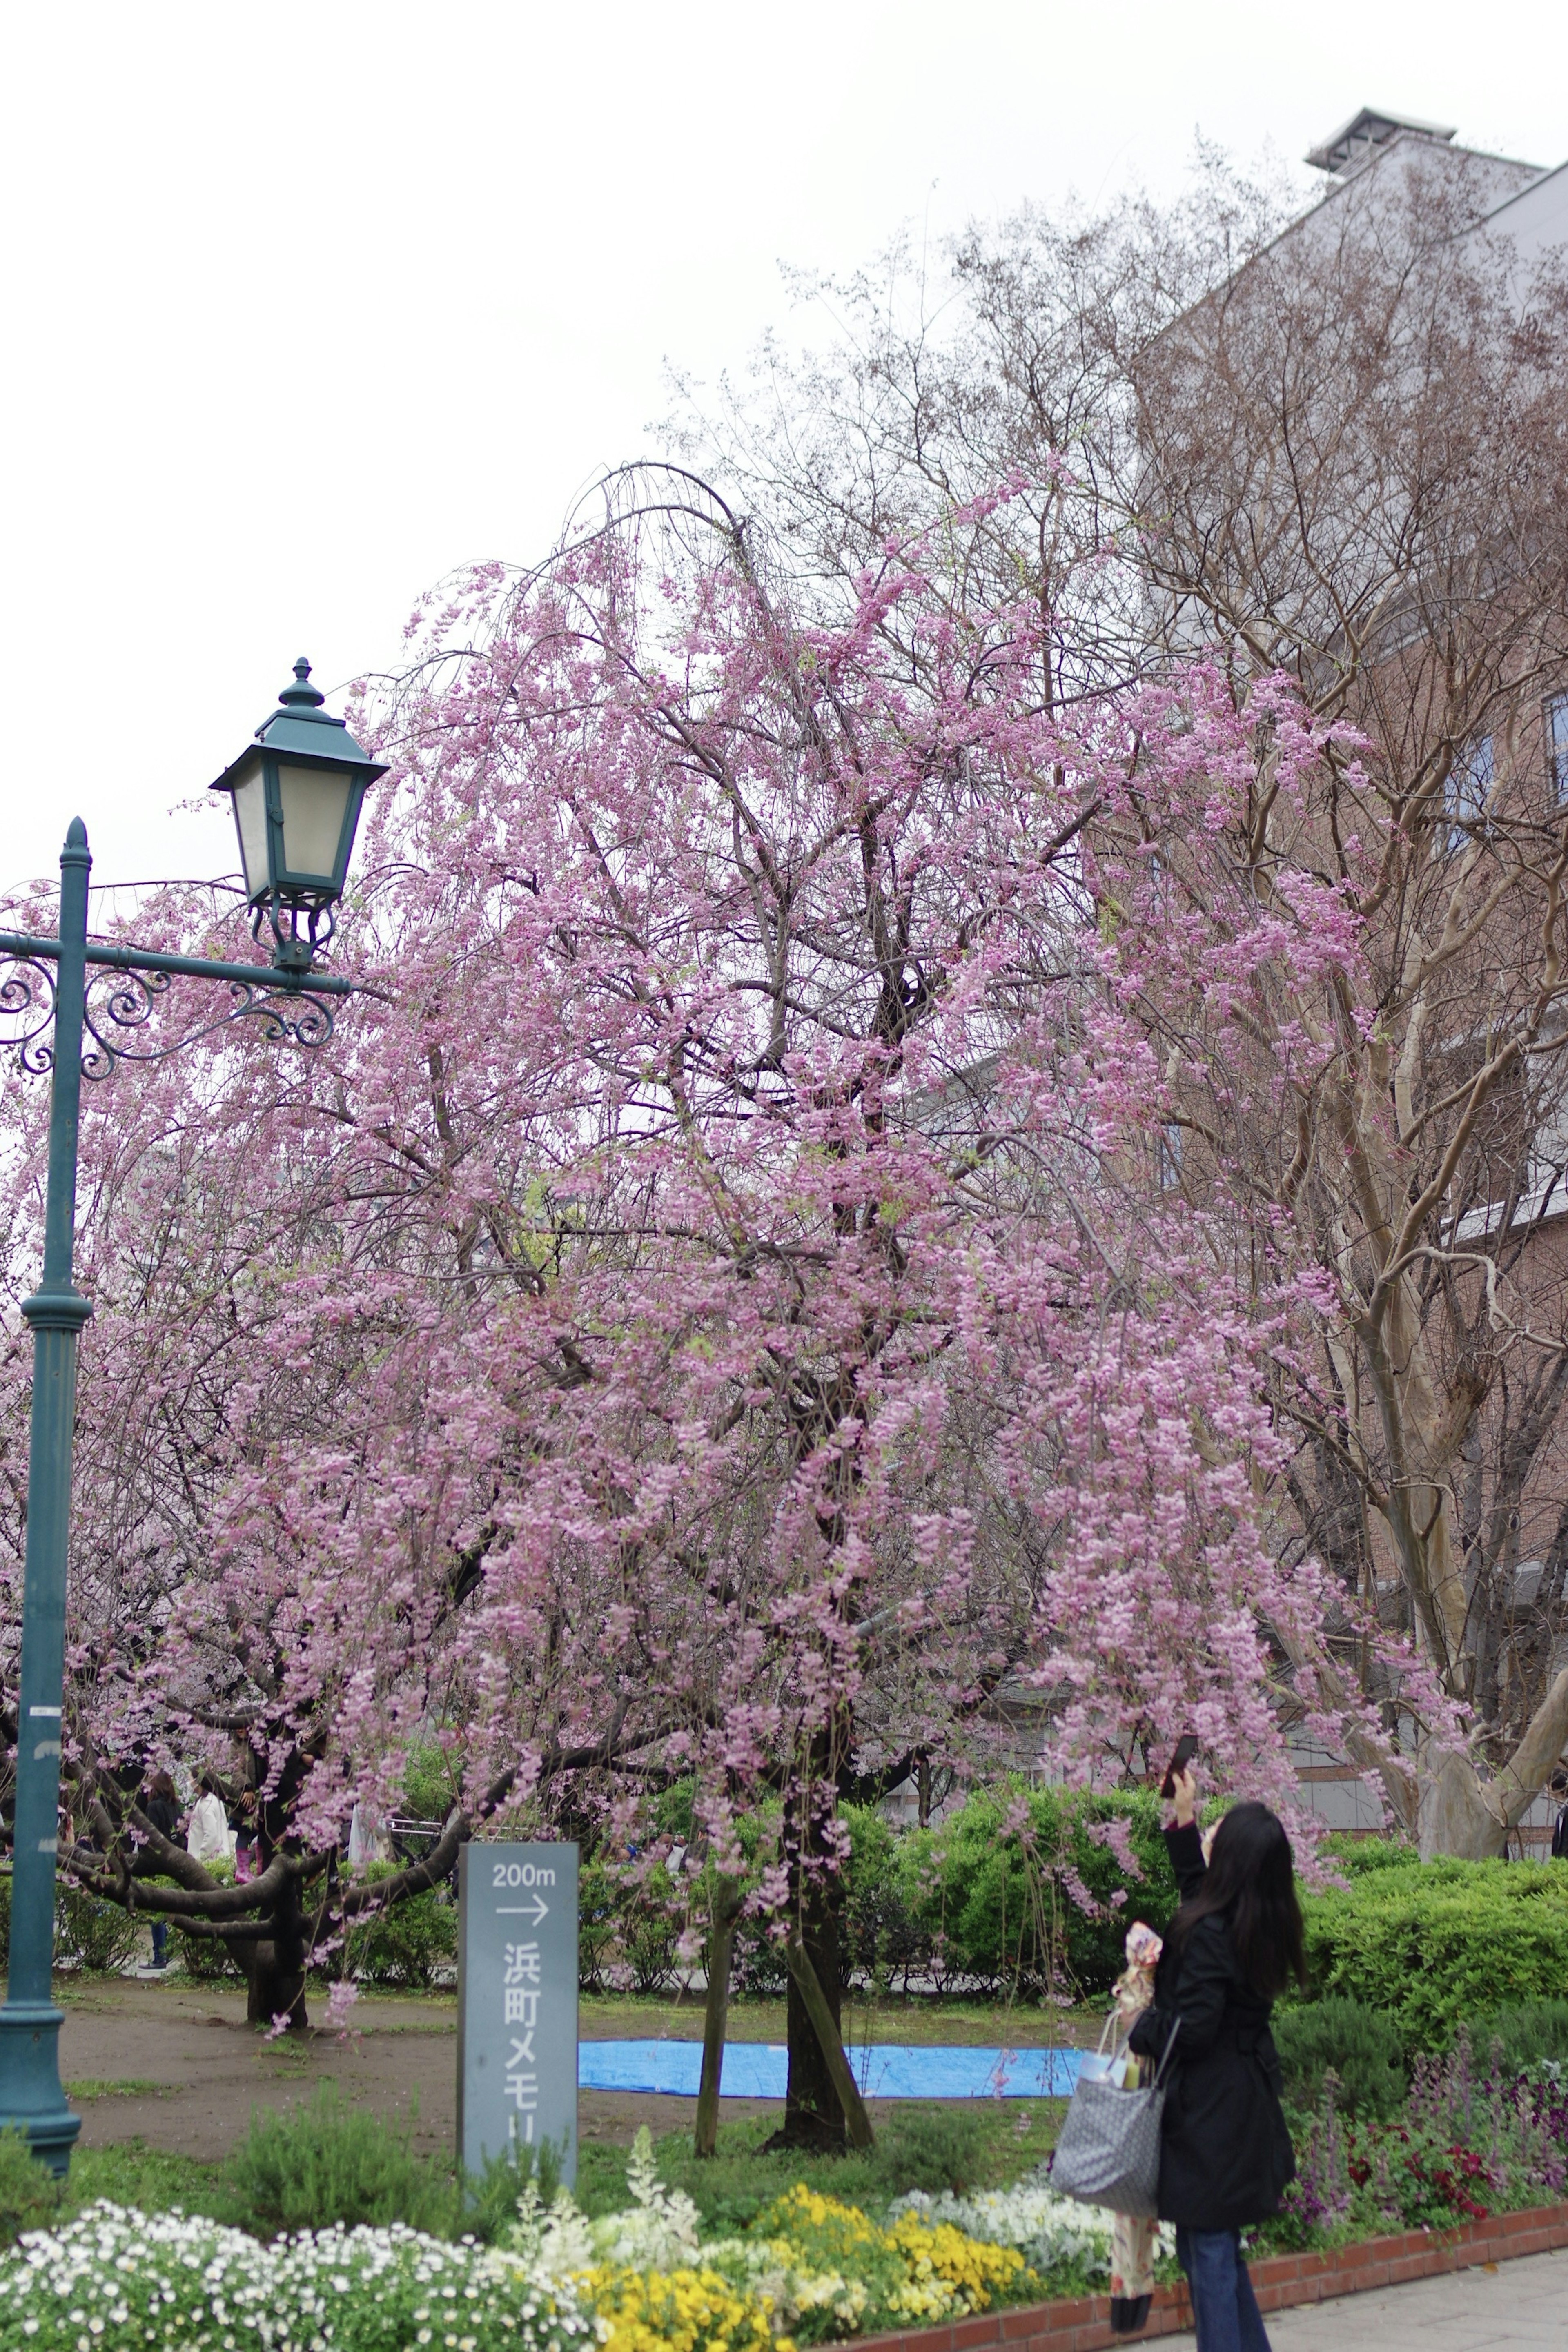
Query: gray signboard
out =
(517, 2002)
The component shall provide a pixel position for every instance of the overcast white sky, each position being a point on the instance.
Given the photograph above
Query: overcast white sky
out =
(303, 306)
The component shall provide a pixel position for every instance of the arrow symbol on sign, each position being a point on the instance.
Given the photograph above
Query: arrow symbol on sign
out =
(538, 1910)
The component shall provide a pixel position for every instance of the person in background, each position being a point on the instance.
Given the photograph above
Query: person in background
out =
(368, 1838)
(1560, 1826)
(161, 1807)
(1224, 2150)
(210, 1837)
(242, 1822)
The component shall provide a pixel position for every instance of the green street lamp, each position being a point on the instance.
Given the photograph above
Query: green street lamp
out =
(297, 794)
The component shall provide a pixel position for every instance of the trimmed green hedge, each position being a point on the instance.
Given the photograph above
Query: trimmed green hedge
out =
(1435, 1943)
(1352, 1857)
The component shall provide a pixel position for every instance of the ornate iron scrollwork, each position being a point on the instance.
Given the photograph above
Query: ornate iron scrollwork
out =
(27, 1011)
(118, 1021)
(287, 1016)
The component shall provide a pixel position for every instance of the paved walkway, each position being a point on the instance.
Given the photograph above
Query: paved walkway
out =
(1522, 2304)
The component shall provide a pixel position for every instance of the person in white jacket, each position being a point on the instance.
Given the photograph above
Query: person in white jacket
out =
(210, 1837)
(369, 1840)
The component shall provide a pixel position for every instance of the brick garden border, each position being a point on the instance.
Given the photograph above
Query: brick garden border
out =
(1083, 2325)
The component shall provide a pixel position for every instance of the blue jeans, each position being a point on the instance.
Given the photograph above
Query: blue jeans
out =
(1224, 2305)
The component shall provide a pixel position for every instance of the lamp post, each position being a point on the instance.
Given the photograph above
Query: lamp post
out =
(297, 791)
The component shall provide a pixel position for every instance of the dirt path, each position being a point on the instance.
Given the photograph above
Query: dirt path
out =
(175, 2064)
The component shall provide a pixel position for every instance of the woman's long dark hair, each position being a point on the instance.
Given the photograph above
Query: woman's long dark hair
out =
(1251, 1882)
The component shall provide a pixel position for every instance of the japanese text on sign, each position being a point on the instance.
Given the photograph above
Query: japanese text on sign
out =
(517, 2002)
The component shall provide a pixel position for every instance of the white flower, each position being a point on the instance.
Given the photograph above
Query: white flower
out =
(1046, 2227)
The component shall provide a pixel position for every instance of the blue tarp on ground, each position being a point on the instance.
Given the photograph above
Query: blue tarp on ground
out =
(884, 2070)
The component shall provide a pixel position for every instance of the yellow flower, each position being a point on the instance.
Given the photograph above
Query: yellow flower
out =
(975, 2270)
(678, 2311)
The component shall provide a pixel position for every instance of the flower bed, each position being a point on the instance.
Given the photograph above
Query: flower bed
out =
(1468, 2144)
(809, 2266)
(643, 2280)
(1466, 2153)
(1063, 2242)
(175, 2282)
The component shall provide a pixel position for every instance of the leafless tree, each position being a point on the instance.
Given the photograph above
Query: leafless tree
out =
(1334, 447)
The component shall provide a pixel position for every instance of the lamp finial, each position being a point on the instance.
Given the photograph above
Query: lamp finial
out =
(302, 693)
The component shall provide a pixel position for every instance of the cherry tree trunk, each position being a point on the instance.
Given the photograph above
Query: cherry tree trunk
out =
(275, 1968)
(728, 1896)
(813, 2113)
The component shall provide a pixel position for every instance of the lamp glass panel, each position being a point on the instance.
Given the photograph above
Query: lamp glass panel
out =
(250, 821)
(314, 803)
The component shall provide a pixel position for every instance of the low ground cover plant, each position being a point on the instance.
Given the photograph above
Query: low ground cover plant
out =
(1065, 2244)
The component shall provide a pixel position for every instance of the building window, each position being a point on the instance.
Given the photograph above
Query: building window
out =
(1466, 790)
(1557, 748)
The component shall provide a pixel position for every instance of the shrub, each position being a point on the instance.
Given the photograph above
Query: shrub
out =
(430, 1784)
(598, 1924)
(1354, 1856)
(1527, 2030)
(1360, 2046)
(882, 1940)
(100, 1936)
(650, 1928)
(29, 2193)
(931, 2148)
(999, 1904)
(674, 1814)
(1436, 1943)
(300, 2168)
(408, 1942)
(204, 1956)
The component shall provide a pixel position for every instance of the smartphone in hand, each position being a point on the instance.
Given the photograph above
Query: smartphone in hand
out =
(1186, 1748)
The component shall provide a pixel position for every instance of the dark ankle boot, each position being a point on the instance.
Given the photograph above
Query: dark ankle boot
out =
(1128, 2312)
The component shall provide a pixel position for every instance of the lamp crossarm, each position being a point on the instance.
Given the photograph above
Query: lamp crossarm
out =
(292, 1004)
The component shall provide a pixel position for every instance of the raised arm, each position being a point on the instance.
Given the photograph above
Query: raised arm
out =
(1183, 1841)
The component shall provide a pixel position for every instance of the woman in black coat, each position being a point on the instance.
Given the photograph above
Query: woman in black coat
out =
(1225, 2151)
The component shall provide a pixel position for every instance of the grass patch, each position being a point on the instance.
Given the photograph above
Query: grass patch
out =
(132, 2173)
(926, 2019)
(133, 2088)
